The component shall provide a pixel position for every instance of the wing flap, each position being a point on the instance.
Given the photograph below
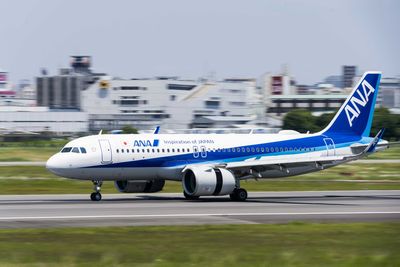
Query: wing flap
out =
(266, 162)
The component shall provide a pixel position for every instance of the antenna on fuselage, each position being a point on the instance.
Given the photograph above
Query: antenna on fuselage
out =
(101, 132)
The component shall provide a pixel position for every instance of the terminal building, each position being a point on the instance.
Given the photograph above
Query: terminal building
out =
(14, 119)
(63, 91)
(170, 102)
(282, 95)
(389, 95)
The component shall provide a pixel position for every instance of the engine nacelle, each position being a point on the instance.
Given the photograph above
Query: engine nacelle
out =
(207, 181)
(139, 186)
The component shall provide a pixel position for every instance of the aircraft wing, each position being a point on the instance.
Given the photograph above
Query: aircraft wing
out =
(284, 164)
(294, 161)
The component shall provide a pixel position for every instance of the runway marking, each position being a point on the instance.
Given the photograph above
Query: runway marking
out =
(127, 216)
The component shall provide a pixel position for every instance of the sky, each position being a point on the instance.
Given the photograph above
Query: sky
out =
(192, 39)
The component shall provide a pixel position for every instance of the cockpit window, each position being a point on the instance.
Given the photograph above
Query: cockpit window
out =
(66, 149)
(83, 150)
(75, 150)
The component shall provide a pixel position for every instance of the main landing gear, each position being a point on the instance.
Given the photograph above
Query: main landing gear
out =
(96, 196)
(239, 194)
(189, 197)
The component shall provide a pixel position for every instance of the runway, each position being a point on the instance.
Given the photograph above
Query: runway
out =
(42, 211)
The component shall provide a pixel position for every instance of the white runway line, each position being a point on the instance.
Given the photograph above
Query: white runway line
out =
(127, 216)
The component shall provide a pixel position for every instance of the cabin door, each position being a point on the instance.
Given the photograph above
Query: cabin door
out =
(106, 154)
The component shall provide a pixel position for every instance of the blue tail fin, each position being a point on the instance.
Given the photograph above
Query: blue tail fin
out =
(355, 115)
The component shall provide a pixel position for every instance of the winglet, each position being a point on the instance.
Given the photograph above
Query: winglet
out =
(371, 147)
(101, 132)
(157, 130)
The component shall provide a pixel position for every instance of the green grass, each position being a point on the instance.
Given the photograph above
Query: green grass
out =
(294, 244)
(27, 153)
(390, 153)
(37, 180)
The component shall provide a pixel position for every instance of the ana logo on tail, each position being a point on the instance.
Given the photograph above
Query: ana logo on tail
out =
(352, 108)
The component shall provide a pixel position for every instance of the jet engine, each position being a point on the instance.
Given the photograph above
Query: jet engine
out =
(139, 186)
(207, 181)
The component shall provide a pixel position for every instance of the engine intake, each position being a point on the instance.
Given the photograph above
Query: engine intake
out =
(206, 181)
(139, 186)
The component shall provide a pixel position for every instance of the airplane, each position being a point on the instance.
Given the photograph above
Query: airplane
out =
(215, 164)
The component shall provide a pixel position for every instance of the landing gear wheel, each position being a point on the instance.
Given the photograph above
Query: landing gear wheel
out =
(239, 194)
(95, 196)
(189, 197)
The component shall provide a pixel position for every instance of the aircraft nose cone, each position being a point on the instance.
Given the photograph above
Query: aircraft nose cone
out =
(53, 164)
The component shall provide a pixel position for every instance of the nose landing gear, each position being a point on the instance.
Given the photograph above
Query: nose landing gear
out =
(96, 196)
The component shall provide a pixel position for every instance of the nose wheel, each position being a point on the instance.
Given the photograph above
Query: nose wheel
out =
(96, 196)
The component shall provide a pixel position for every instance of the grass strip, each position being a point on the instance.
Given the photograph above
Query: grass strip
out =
(37, 180)
(294, 244)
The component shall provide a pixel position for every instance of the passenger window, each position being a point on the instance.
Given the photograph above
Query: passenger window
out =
(152, 150)
(163, 150)
(142, 150)
(262, 149)
(148, 150)
(286, 149)
(138, 150)
(272, 149)
(178, 150)
(117, 150)
(133, 150)
(258, 149)
(267, 149)
(173, 150)
(252, 149)
(233, 150)
(122, 150)
(83, 150)
(158, 150)
(66, 149)
(167, 150)
(243, 150)
(248, 149)
(75, 150)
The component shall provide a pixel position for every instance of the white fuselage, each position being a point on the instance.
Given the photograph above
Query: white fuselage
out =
(161, 156)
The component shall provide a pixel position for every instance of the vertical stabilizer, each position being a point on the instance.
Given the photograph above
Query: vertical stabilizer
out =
(355, 115)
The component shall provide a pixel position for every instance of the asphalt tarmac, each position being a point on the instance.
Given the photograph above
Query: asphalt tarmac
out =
(43, 211)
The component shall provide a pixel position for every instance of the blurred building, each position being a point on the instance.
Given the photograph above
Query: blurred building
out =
(63, 91)
(349, 72)
(280, 105)
(335, 80)
(389, 95)
(282, 95)
(3, 80)
(41, 119)
(170, 102)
